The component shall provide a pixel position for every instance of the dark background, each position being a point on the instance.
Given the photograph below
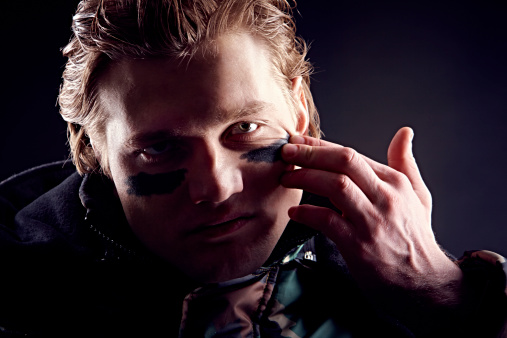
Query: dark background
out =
(438, 67)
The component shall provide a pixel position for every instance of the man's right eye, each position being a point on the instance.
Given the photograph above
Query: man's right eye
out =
(157, 149)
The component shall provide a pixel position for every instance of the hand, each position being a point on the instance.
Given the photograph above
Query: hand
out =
(384, 232)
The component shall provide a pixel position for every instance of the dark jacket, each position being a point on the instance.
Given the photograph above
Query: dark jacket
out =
(71, 267)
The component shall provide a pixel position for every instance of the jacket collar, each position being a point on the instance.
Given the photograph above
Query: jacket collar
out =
(105, 215)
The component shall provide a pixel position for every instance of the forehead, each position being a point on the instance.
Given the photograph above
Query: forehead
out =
(233, 77)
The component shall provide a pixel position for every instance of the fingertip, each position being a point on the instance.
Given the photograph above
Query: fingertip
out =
(410, 137)
(298, 213)
(406, 131)
(411, 133)
(285, 178)
(402, 138)
(297, 139)
(289, 151)
(292, 211)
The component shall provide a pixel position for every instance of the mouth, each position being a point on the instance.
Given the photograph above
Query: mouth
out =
(222, 228)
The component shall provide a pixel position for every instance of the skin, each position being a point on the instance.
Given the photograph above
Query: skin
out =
(166, 115)
(144, 184)
(384, 232)
(270, 154)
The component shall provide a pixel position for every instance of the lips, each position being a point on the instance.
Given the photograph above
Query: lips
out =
(222, 226)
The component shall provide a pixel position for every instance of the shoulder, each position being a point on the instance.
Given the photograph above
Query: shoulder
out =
(40, 208)
(21, 189)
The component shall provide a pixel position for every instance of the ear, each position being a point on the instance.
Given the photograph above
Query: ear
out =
(302, 114)
(98, 155)
(96, 151)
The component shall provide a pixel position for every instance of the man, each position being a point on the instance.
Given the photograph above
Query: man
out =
(194, 134)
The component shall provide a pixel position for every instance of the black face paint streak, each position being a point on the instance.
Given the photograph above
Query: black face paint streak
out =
(144, 184)
(269, 154)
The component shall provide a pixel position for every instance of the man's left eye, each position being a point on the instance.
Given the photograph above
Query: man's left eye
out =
(244, 127)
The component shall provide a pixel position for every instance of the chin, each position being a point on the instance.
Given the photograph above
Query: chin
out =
(227, 263)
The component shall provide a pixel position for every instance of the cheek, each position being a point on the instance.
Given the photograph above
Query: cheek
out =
(264, 167)
(269, 154)
(144, 184)
(147, 201)
(262, 179)
(263, 191)
(152, 218)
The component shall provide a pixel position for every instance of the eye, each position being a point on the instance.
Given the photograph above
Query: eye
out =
(244, 127)
(157, 149)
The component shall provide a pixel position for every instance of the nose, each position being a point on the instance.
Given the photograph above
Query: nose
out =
(214, 176)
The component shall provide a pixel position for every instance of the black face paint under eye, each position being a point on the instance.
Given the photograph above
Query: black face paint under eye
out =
(269, 154)
(144, 184)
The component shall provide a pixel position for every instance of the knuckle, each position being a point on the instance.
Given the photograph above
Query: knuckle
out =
(372, 236)
(399, 179)
(348, 155)
(376, 231)
(308, 154)
(342, 183)
(389, 203)
(330, 217)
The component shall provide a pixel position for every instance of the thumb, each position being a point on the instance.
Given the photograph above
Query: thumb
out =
(401, 158)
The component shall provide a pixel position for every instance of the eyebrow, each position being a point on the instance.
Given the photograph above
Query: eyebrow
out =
(150, 137)
(222, 116)
(252, 108)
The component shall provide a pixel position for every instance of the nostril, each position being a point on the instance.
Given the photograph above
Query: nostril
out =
(215, 186)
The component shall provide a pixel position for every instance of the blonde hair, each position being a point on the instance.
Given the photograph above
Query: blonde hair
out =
(105, 31)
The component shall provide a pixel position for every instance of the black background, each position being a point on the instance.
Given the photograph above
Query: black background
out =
(437, 67)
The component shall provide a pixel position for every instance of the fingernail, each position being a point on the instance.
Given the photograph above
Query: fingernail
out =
(297, 139)
(412, 144)
(289, 150)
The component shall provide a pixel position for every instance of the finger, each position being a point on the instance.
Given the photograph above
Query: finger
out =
(329, 222)
(337, 159)
(380, 169)
(341, 191)
(384, 172)
(401, 158)
(311, 141)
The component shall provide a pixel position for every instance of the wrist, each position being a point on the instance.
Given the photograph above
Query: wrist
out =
(485, 306)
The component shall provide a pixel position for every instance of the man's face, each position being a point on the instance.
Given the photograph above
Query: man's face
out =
(191, 153)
